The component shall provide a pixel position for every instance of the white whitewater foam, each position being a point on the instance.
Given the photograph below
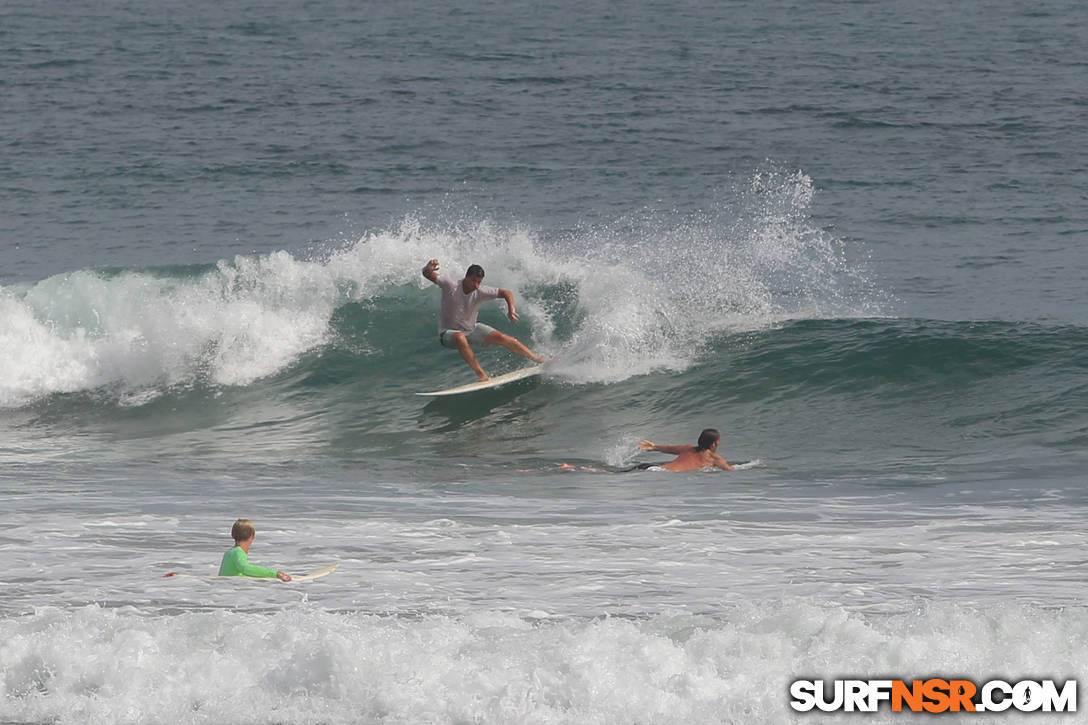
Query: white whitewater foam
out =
(304, 665)
(84, 330)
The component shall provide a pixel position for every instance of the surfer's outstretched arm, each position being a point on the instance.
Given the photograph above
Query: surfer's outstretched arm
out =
(671, 450)
(430, 270)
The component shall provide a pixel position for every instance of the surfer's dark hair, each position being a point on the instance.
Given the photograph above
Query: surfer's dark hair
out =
(475, 270)
(242, 529)
(707, 438)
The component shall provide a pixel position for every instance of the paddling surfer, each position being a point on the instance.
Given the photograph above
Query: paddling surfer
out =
(460, 302)
(691, 458)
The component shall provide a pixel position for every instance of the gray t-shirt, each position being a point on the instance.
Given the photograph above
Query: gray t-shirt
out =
(456, 310)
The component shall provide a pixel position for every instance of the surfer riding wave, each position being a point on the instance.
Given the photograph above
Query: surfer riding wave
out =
(457, 310)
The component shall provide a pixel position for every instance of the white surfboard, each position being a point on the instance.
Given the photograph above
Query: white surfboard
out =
(492, 383)
(316, 574)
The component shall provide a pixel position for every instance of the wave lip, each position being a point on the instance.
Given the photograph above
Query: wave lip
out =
(646, 293)
(142, 333)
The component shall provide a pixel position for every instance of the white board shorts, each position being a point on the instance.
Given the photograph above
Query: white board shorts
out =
(478, 335)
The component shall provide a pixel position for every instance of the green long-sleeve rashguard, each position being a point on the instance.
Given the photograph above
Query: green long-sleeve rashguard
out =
(236, 563)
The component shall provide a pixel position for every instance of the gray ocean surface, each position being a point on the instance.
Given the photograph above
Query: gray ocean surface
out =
(853, 236)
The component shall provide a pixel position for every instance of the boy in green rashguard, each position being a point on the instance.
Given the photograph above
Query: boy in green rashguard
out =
(236, 561)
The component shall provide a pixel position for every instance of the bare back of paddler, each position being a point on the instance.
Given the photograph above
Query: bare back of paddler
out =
(692, 458)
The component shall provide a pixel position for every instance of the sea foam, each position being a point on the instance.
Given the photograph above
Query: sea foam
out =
(304, 665)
